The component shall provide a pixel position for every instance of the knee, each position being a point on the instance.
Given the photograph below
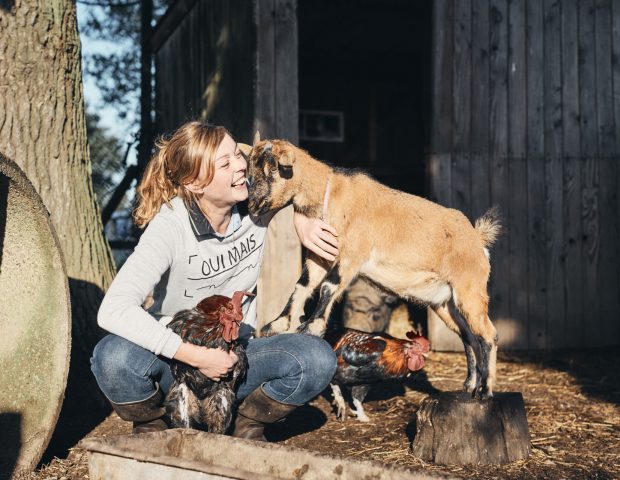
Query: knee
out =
(111, 358)
(319, 359)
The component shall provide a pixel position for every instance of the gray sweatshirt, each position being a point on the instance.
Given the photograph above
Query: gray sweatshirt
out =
(181, 259)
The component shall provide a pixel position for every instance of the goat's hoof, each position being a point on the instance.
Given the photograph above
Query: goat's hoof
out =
(280, 325)
(469, 386)
(312, 327)
(482, 393)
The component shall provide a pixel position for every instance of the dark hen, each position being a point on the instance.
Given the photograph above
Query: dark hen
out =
(367, 358)
(194, 400)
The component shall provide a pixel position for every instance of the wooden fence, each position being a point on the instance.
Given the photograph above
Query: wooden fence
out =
(526, 116)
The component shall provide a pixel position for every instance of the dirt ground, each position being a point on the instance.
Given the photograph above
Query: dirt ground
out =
(572, 401)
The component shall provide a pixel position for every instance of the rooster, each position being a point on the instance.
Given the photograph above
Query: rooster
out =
(194, 400)
(367, 358)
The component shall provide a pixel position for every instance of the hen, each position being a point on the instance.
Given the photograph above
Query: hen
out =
(194, 400)
(367, 358)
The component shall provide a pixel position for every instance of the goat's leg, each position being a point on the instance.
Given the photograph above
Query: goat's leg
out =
(468, 340)
(312, 274)
(330, 290)
(471, 315)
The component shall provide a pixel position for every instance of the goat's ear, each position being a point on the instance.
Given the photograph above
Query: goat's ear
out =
(286, 159)
(256, 138)
(245, 149)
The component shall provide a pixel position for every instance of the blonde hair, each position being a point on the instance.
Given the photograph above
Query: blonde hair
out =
(177, 162)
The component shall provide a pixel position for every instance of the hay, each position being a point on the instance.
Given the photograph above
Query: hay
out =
(572, 402)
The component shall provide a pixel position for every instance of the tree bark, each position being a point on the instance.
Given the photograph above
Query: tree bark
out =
(43, 129)
(452, 428)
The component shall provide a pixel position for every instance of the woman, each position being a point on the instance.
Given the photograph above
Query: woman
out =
(200, 241)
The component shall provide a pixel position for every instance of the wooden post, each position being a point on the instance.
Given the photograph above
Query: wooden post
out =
(276, 116)
(454, 428)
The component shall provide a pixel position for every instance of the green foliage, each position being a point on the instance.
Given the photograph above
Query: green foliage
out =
(106, 155)
(116, 70)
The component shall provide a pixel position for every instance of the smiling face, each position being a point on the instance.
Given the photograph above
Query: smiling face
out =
(228, 183)
(270, 167)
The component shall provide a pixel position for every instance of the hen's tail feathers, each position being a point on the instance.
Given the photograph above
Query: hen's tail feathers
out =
(489, 226)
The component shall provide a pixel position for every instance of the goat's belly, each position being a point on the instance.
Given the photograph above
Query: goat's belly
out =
(423, 286)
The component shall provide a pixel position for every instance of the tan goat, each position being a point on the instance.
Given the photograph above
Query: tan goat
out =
(415, 248)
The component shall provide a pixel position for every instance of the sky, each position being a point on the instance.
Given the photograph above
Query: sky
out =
(119, 127)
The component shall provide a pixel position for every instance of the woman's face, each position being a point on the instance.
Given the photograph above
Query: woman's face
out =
(228, 186)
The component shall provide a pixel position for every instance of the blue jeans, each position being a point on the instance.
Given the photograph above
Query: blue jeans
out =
(292, 369)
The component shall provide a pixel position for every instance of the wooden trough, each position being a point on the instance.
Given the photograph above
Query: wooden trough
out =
(182, 454)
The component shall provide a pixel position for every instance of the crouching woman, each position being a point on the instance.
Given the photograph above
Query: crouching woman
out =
(200, 241)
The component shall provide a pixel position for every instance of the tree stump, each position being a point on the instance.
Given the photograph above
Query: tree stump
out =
(455, 429)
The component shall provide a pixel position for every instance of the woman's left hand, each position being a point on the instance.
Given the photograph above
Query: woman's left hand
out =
(317, 236)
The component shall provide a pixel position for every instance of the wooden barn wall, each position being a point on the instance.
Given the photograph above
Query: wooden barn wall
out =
(526, 111)
(205, 69)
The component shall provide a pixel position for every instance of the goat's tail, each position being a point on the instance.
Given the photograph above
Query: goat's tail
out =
(489, 226)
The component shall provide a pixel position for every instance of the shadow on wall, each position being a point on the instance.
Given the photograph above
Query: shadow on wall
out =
(10, 443)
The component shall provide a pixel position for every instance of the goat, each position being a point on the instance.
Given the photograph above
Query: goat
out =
(411, 246)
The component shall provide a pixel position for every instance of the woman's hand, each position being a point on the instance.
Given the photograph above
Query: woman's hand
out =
(317, 236)
(214, 363)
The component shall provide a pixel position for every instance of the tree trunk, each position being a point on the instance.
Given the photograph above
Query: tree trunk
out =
(452, 428)
(43, 129)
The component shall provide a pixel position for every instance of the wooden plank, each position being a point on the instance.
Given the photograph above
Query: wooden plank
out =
(480, 83)
(616, 83)
(615, 6)
(479, 147)
(461, 193)
(517, 148)
(286, 81)
(276, 115)
(587, 79)
(461, 113)
(608, 285)
(571, 177)
(265, 68)
(461, 79)
(553, 174)
(604, 79)
(500, 283)
(537, 309)
(589, 172)
(440, 185)
(168, 24)
(517, 95)
(441, 105)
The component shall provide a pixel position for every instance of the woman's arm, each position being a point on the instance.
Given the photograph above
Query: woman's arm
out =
(121, 310)
(317, 236)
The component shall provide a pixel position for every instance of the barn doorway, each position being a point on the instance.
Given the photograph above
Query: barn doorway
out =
(364, 92)
(364, 86)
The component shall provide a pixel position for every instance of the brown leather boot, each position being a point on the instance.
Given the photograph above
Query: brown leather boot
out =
(257, 410)
(146, 415)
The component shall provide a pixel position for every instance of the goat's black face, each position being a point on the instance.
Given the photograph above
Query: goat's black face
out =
(269, 171)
